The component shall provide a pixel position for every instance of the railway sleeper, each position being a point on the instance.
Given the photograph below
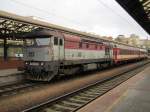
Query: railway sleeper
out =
(64, 107)
(78, 100)
(89, 95)
(93, 93)
(83, 98)
(57, 109)
(68, 104)
(50, 110)
(72, 103)
(98, 90)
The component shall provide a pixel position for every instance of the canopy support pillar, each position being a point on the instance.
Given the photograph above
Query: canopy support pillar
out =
(5, 49)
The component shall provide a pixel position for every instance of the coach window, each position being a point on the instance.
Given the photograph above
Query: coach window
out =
(100, 47)
(55, 41)
(60, 42)
(87, 45)
(96, 46)
(80, 45)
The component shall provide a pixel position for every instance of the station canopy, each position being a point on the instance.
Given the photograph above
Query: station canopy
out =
(14, 26)
(18, 27)
(139, 10)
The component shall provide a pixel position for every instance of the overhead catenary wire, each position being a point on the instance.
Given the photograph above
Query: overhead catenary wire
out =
(76, 23)
(46, 12)
(112, 10)
(119, 15)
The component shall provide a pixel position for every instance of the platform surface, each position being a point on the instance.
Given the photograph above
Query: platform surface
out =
(131, 96)
(136, 99)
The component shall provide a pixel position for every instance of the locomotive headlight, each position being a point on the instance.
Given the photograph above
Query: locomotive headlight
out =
(26, 63)
(42, 63)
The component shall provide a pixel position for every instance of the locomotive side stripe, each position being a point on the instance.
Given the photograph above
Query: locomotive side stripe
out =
(84, 54)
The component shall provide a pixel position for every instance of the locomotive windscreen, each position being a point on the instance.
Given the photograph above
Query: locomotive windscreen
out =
(37, 42)
(38, 49)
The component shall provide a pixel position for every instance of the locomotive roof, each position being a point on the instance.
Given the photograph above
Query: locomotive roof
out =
(41, 33)
(41, 24)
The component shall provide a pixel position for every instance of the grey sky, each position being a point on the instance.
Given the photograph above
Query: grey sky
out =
(103, 17)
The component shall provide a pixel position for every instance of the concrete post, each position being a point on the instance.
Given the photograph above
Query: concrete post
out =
(5, 49)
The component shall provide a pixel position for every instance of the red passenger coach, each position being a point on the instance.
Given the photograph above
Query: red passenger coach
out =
(124, 53)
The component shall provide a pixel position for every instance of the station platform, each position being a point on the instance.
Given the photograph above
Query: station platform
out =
(131, 96)
(8, 71)
(11, 63)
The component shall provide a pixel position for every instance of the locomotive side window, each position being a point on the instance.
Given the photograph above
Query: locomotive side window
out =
(60, 42)
(107, 50)
(55, 41)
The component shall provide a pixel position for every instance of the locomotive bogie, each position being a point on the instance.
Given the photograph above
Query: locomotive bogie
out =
(41, 70)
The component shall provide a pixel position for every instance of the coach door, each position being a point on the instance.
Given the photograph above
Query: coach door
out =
(58, 48)
(61, 48)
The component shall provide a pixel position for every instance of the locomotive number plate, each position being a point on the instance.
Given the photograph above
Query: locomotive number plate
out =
(34, 63)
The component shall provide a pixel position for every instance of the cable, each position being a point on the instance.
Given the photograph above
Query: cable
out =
(108, 7)
(72, 21)
(46, 12)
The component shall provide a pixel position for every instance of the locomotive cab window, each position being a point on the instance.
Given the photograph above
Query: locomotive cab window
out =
(55, 41)
(60, 42)
(37, 42)
(107, 51)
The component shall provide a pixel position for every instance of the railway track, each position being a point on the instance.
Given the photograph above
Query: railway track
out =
(73, 101)
(13, 89)
(7, 79)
